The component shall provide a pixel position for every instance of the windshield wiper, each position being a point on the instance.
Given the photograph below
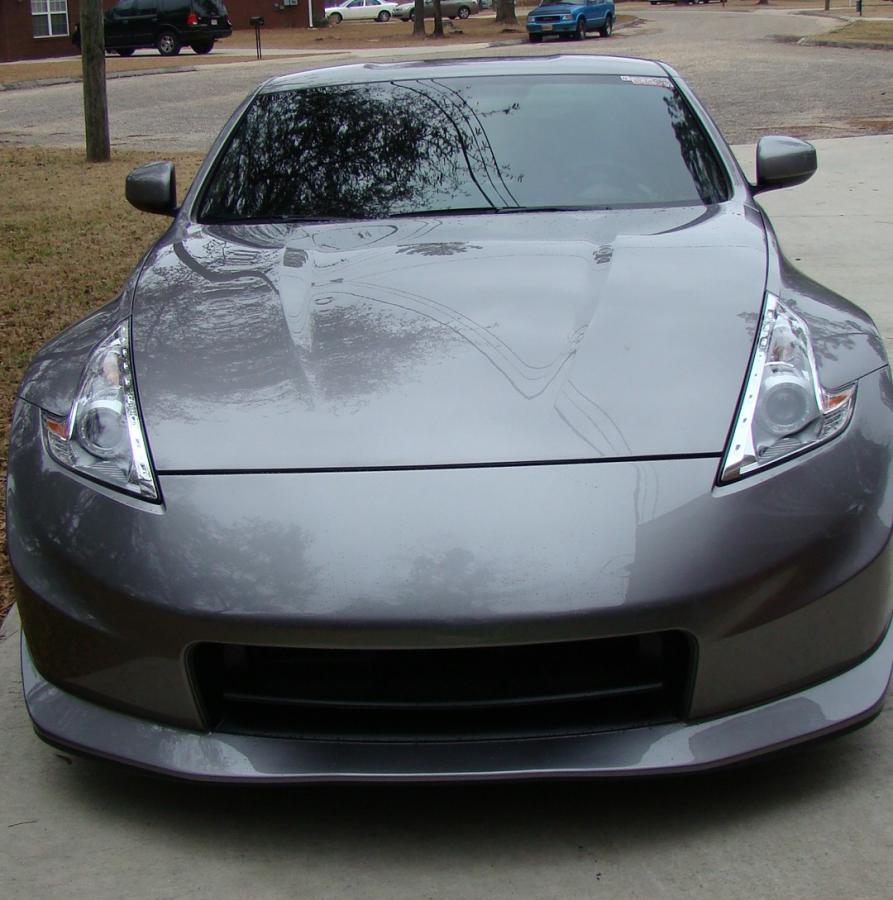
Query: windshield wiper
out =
(278, 220)
(549, 209)
(456, 211)
(492, 211)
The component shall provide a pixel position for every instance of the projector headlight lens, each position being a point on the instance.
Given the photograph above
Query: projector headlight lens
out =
(784, 410)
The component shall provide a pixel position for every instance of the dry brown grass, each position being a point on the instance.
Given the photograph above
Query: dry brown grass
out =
(68, 239)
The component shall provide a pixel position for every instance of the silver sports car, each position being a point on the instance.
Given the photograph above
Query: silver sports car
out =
(535, 459)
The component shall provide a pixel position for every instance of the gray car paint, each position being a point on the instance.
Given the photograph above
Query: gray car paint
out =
(846, 701)
(509, 555)
(780, 579)
(783, 161)
(403, 343)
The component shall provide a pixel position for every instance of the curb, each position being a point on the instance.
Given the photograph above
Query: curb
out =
(824, 14)
(76, 79)
(9, 626)
(846, 45)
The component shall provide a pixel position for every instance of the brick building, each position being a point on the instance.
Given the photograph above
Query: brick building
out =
(32, 29)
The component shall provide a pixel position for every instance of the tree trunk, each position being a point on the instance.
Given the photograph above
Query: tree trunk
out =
(418, 19)
(505, 12)
(438, 20)
(96, 107)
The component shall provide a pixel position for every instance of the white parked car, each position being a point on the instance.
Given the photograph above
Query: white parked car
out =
(450, 9)
(356, 10)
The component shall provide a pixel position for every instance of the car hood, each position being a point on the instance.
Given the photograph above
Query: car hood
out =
(460, 340)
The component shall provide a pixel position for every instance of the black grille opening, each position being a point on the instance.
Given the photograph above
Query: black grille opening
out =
(469, 693)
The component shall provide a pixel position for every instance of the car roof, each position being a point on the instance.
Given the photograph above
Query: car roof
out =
(576, 64)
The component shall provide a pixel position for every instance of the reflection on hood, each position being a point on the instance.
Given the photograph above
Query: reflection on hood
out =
(467, 340)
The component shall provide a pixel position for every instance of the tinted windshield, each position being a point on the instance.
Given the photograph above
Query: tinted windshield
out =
(474, 144)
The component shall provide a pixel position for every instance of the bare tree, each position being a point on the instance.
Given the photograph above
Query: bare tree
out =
(438, 20)
(418, 19)
(505, 12)
(96, 107)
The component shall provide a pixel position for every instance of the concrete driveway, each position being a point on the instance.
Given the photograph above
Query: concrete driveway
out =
(817, 823)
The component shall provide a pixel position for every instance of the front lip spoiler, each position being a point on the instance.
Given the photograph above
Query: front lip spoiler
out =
(842, 702)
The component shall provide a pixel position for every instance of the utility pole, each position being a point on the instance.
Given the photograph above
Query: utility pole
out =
(96, 106)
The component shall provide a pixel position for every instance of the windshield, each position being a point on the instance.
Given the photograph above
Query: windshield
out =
(462, 144)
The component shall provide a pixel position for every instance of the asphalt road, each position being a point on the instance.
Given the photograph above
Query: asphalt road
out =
(752, 82)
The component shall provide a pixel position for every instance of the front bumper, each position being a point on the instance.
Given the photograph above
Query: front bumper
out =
(552, 28)
(840, 703)
(780, 581)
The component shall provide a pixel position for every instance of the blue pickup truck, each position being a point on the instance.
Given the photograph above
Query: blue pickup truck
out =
(570, 19)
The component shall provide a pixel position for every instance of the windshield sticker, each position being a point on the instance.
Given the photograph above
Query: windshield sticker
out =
(648, 82)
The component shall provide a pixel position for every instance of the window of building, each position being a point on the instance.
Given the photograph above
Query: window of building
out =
(49, 18)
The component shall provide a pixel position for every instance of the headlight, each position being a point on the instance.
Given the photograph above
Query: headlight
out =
(784, 409)
(567, 18)
(103, 437)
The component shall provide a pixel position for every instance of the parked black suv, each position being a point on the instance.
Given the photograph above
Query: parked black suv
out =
(165, 24)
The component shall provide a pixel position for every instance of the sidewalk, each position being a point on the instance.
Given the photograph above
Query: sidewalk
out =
(814, 824)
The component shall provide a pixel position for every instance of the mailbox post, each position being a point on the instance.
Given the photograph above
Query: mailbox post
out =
(256, 22)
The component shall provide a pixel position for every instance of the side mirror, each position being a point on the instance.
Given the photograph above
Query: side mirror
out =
(783, 162)
(153, 188)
